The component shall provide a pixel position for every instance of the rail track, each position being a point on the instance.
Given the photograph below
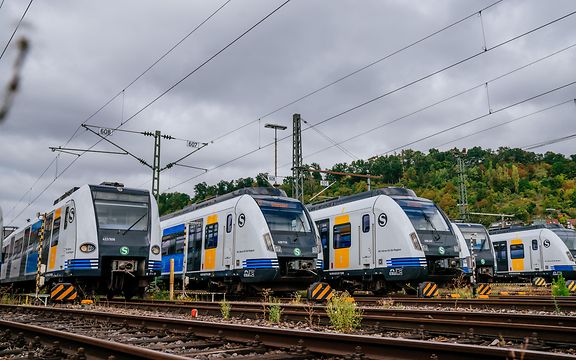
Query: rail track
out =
(544, 330)
(293, 344)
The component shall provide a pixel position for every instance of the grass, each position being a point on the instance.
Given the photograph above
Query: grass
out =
(344, 315)
(559, 287)
(274, 311)
(225, 308)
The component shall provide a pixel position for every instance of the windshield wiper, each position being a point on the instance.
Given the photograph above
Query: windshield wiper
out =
(434, 230)
(137, 221)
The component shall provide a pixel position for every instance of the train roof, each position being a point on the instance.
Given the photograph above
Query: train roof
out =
(389, 191)
(255, 192)
(102, 186)
(516, 228)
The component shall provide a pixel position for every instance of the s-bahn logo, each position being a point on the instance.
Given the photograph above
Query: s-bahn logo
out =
(71, 215)
(482, 261)
(441, 250)
(124, 250)
(382, 220)
(241, 220)
(546, 243)
(297, 252)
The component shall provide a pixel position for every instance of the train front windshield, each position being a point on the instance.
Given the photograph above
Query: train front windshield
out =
(285, 216)
(424, 215)
(568, 236)
(479, 234)
(118, 211)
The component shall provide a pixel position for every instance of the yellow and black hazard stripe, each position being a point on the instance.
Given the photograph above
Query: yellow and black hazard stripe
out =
(320, 291)
(428, 289)
(63, 292)
(571, 285)
(484, 289)
(539, 281)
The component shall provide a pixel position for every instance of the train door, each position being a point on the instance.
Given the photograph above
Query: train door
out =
(9, 257)
(25, 251)
(4, 262)
(228, 242)
(342, 242)
(324, 231)
(501, 252)
(536, 264)
(194, 255)
(53, 263)
(366, 242)
(46, 242)
(67, 249)
(517, 255)
(210, 243)
(32, 252)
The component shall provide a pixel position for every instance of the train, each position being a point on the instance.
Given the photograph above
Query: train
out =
(242, 242)
(385, 238)
(104, 239)
(464, 254)
(478, 242)
(526, 252)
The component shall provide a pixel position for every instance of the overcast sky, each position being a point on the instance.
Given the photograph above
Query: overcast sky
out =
(85, 52)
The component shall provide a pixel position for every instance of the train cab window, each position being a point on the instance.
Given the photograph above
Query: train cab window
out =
(517, 251)
(66, 217)
(535, 244)
(211, 236)
(26, 245)
(342, 236)
(165, 247)
(365, 223)
(229, 223)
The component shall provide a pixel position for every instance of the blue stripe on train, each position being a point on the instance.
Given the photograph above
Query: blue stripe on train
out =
(563, 268)
(407, 261)
(173, 230)
(260, 263)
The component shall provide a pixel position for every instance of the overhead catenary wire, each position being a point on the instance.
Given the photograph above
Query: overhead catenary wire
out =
(451, 97)
(234, 41)
(305, 96)
(506, 122)
(16, 28)
(357, 71)
(478, 118)
(356, 107)
(123, 91)
(550, 142)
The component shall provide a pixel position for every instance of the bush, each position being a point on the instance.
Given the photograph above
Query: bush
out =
(225, 308)
(274, 311)
(559, 287)
(344, 315)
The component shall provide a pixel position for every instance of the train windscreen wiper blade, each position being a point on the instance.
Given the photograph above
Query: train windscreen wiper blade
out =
(434, 230)
(137, 221)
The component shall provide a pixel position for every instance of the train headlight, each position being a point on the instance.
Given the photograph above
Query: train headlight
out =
(415, 241)
(425, 247)
(87, 247)
(457, 248)
(268, 242)
(155, 249)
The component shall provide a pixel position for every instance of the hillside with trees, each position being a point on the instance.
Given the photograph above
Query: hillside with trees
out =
(512, 181)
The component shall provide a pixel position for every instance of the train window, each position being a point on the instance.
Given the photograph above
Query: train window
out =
(517, 251)
(534, 244)
(165, 246)
(17, 247)
(211, 236)
(56, 229)
(26, 242)
(66, 217)
(365, 223)
(229, 223)
(342, 236)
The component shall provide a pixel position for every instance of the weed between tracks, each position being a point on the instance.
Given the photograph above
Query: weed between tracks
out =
(344, 314)
(225, 308)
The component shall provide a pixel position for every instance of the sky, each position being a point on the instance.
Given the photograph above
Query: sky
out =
(493, 67)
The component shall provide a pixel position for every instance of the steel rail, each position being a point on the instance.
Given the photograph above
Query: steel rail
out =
(93, 348)
(551, 328)
(372, 347)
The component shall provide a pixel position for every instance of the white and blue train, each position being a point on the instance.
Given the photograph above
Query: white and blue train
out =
(526, 252)
(385, 238)
(250, 239)
(103, 238)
